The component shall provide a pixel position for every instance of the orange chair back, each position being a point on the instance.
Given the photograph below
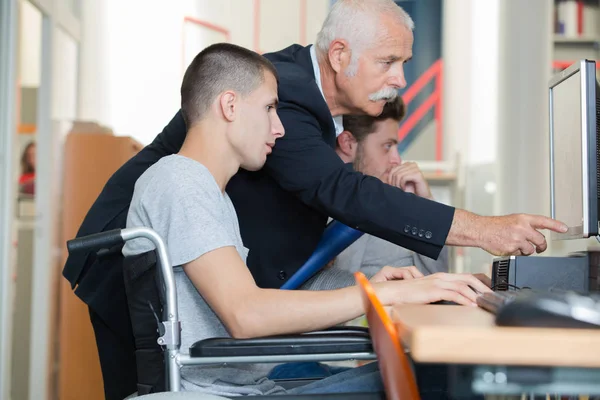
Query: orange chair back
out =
(398, 377)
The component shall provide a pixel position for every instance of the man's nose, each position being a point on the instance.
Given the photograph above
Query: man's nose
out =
(395, 158)
(397, 78)
(277, 128)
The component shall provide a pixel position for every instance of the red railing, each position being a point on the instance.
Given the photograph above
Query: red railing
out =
(433, 101)
(206, 24)
(210, 26)
(435, 72)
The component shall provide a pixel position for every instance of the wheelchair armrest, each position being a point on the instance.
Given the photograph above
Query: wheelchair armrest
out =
(342, 330)
(324, 396)
(320, 342)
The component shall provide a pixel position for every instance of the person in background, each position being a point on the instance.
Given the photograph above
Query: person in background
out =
(370, 144)
(27, 178)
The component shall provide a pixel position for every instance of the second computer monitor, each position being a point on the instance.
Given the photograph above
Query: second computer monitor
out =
(573, 150)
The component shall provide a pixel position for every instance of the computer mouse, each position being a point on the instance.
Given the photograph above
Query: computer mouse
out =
(551, 310)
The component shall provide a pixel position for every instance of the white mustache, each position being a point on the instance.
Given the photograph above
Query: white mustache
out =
(387, 94)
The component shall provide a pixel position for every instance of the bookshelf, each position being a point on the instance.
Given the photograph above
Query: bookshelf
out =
(576, 30)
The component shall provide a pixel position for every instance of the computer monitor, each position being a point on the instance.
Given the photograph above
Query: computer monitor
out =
(574, 169)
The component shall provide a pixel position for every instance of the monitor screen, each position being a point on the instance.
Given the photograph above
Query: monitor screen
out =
(573, 153)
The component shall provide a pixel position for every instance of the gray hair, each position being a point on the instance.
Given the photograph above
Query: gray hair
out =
(357, 22)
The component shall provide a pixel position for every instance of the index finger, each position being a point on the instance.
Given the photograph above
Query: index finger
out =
(397, 169)
(541, 222)
(476, 284)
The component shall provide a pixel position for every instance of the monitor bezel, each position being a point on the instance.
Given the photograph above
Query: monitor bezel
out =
(589, 225)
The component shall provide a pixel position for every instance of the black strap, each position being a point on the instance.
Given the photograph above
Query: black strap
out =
(137, 266)
(144, 304)
(151, 371)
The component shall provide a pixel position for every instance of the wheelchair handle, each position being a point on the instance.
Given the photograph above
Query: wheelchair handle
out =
(96, 241)
(114, 237)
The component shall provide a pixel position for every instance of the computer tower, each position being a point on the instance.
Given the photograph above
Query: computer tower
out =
(575, 272)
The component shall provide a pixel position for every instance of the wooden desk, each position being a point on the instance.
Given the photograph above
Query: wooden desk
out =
(468, 335)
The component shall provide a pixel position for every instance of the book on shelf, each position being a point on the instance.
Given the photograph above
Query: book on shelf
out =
(577, 19)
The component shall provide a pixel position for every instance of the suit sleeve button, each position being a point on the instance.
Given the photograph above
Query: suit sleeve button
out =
(428, 234)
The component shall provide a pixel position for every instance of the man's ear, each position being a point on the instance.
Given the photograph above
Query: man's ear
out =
(339, 55)
(228, 105)
(347, 146)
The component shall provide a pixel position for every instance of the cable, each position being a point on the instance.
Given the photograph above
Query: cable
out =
(514, 287)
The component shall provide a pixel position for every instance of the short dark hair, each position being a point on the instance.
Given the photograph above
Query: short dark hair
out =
(220, 67)
(361, 126)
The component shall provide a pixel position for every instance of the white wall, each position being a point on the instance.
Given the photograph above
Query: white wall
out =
(30, 42)
(144, 64)
(485, 67)
(149, 46)
(279, 24)
(471, 70)
(470, 100)
(94, 94)
(65, 74)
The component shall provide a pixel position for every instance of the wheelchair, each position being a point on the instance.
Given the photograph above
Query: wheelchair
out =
(152, 301)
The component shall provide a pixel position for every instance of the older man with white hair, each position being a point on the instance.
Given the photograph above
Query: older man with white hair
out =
(355, 68)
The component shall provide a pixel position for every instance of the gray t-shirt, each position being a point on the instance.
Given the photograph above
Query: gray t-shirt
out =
(368, 255)
(371, 253)
(179, 198)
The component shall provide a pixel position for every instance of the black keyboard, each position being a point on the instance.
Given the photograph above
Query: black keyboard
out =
(494, 301)
(550, 309)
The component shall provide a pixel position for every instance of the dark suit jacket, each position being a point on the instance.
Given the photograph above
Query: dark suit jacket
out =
(283, 208)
